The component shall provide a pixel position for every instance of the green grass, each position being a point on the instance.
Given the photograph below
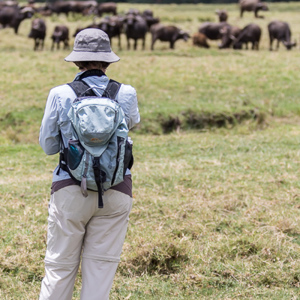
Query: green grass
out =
(216, 201)
(215, 214)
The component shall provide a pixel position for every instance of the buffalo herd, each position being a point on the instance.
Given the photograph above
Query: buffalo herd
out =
(135, 25)
(235, 37)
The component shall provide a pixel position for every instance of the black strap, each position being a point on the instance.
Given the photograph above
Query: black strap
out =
(112, 89)
(98, 179)
(82, 88)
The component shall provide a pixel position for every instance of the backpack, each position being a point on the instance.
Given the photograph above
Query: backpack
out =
(100, 155)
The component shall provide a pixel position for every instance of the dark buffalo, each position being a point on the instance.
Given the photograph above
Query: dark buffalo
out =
(252, 5)
(147, 13)
(135, 29)
(148, 16)
(281, 32)
(151, 21)
(8, 3)
(212, 30)
(60, 34)
(38, 33)
(83, 7)
(113, 26)
(107, 7)
(249, 34)
(60, 7)
(89, 26)
(66, 7)
(133, 11)
(44, 10)
(12, 16)
(199, 39)
(169, 34)
(222, 14)
(229, 34)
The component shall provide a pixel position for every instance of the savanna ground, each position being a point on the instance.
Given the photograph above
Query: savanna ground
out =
(216, 174)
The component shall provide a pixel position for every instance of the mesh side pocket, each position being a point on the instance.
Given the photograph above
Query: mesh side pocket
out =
(75, 154)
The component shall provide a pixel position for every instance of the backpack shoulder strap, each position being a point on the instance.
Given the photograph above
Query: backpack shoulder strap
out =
(112, 89)
(82, 88)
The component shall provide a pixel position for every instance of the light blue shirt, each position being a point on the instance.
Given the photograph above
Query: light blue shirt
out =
(58, 104)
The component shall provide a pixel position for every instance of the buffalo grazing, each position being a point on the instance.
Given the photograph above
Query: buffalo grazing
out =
(249, 34)
(212, 30)
(12, 16)
(169, 34)
(107, 7)
(199, 39)
(281, 32)
(229, 34)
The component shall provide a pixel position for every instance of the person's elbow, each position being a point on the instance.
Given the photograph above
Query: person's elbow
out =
(133, 120)
(50, 146)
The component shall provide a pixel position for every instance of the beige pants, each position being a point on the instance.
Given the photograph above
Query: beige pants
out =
(78, 228)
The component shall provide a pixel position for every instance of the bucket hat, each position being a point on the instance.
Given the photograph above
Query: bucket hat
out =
(92, 44)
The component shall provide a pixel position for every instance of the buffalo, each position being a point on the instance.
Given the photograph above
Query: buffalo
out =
(113, 26)
(148, 16)
(222, 14)
(12, 16)
(281, 32)
(135, 28)
(66, 7)
(94, 25)
(147, 13)
(8, 3)
(199, 39)
(60, 34)
(83, 7)
(229, 34)
(107, 7)
(252, 5)
(60, 7)
(133, 11)
(151, 21)
(38, 33)
(169, 34)
(212, 30)
(249, 34)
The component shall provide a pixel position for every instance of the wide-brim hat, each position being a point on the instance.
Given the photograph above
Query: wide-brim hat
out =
(92, 44)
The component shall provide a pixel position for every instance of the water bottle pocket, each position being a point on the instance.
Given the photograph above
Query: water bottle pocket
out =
(75, 154)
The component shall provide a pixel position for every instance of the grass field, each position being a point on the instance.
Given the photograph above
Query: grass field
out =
(216, 199)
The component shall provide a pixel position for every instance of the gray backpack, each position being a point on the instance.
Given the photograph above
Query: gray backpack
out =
(101, 153)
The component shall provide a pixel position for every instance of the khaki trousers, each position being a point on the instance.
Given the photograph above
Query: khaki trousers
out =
(79, 230)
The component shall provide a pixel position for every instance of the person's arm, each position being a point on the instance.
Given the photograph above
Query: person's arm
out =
(127, 98)
(49, 135)
(134, 112)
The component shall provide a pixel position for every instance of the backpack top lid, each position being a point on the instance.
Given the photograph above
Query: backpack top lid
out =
(95, 118)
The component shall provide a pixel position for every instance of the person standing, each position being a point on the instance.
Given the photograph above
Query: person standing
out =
(79, 231)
